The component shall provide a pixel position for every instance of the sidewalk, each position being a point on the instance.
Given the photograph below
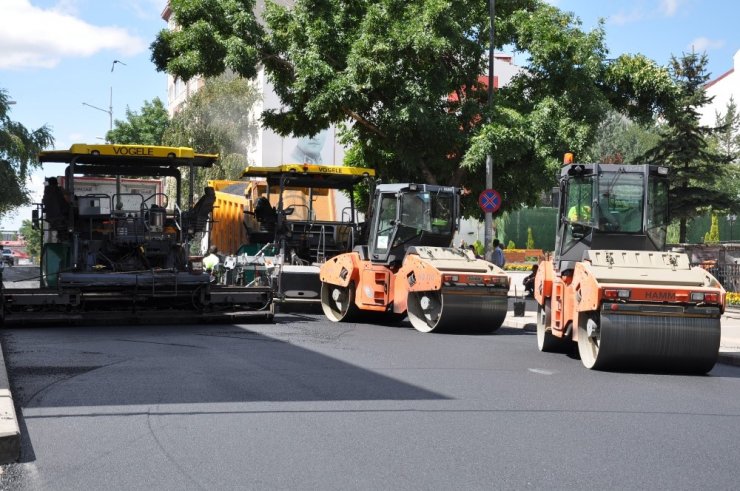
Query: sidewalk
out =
(729, 348)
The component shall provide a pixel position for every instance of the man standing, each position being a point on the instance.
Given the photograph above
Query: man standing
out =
(498, 254)
(474, 251)
(212, 259)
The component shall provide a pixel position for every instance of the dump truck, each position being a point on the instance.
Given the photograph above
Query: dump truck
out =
(408, 267)
(611, 287)
(123, 253)
(289, 218)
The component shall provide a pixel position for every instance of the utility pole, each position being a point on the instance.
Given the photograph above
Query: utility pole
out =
(488, 229)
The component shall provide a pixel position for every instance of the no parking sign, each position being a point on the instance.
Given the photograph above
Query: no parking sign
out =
(489, 201)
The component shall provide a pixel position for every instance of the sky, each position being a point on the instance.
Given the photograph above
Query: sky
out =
(56, 55)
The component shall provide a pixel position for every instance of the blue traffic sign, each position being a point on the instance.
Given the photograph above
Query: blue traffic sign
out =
(489, 201)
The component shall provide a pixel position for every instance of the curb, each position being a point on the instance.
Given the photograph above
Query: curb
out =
(729, 358)
(10, 434)
(527, 323)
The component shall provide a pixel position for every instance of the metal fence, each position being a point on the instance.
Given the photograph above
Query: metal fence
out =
(727, 274)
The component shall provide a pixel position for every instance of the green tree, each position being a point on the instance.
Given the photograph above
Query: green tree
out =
(727, 137)
(18, 149)
(32, 238)
(621, 140)
(145, 128)
(530, 238)
(401, 79)
(696, 169)
(712, 236)
(726, 142)
(217, 119)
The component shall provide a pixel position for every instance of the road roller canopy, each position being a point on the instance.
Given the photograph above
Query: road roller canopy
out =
(607, 206)
(407, 215)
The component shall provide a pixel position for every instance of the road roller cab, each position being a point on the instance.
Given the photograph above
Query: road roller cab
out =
(408, 266)
(612, 289)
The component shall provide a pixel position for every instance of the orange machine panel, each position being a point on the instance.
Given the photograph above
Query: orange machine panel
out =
(375, 291)
(342, 269)
(543, 281)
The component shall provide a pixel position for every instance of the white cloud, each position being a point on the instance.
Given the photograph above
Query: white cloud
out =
(670, 7)
(146, 9)
(622, 18)
(68, 7)
(702, 44)
(665, 8)
(32, 37)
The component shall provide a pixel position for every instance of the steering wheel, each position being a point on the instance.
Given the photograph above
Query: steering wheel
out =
(609, 222)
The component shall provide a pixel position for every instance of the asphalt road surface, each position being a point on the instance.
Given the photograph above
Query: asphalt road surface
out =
(308, 404)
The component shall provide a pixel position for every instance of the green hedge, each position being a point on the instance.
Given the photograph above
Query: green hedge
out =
(543, 222)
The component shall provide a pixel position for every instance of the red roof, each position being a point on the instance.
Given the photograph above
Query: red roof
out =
(712, 82)
(13, 243)
(483, 80)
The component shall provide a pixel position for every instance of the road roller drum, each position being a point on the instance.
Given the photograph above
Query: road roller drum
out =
(449, 290)
(457, 310)
(657, 342)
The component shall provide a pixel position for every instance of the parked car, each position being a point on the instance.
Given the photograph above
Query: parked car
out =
(8, 257)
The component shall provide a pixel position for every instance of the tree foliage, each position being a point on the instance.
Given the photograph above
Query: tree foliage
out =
(621, 140)
(726, 142)
(712, 236)
(696, 169)
(530, 238)
(217, 119)
(403, 80)
(727, 136)
(32, 238)
(18, 149)
(145, 128)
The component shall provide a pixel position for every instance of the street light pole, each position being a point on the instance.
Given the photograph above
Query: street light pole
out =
(488, 231)
(731, 219)
(109, 111)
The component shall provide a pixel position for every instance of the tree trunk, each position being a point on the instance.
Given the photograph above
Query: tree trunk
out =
(682, 231)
